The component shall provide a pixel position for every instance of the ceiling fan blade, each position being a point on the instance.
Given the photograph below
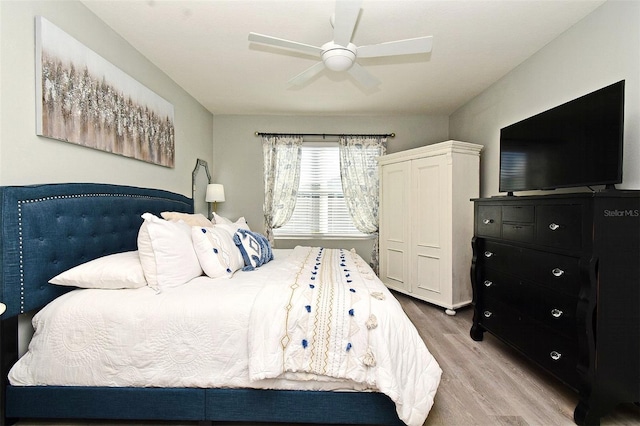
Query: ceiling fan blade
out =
(286, 44)
(306, 75)
(399, 47)
(346, 16)
(363, 76)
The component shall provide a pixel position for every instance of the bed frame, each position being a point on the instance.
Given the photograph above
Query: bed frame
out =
(46, 229)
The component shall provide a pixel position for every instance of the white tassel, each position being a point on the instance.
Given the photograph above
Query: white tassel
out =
(372, 322)
(368, 359)
(378, 295)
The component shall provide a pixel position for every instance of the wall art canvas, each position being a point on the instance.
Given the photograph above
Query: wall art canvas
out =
(84, 99)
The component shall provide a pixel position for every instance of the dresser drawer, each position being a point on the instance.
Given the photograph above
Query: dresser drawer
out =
(557, 272)
(559, 226)
(553, 309)
(489, 221)
(557, 354)
(523, 214)
(517, 232)
(552, 351)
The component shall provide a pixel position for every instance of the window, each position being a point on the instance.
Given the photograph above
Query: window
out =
(320, 207)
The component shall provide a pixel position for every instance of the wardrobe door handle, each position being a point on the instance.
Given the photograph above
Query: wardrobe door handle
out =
(555, 355)
(556, 313)
(557, 272)
(488, 254)
(487, 221)
(488, 283)
(554, 226)
(487, 314)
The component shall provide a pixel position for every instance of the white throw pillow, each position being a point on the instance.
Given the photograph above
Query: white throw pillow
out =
(120, 270)
(166, 252)
(233, 226)
(195, 219)
(219, 220)
(216, 251)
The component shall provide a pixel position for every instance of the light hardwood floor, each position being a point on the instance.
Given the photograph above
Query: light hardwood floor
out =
(483, 383)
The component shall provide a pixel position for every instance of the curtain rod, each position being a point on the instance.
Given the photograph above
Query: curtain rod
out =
(386, 135)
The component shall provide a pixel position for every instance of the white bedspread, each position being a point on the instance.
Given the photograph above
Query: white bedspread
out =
(332, 318)
(210, 333)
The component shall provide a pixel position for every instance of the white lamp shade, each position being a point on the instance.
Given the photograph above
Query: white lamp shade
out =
(215, 192)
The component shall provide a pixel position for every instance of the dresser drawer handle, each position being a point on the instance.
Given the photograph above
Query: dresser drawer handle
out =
(557, 272)
(488, 283)
(487, 221)
(488, 254)
(555, 355)
(487, 314)
(554, 226)
(556, 313)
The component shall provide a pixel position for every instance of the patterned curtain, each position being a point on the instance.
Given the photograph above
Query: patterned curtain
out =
(281, 178)
(360, 183)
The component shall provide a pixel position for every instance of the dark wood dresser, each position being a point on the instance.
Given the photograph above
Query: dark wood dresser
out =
(557, 277)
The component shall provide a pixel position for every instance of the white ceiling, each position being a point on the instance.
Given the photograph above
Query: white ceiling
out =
(202, 45)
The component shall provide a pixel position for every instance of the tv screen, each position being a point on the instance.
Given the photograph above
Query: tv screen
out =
(578, 143)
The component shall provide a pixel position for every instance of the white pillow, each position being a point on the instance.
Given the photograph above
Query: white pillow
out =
(240, 223)
(166, 252)
(120, 270)
(195, 219)
(232, 228)
(218, 220)
(216, 251)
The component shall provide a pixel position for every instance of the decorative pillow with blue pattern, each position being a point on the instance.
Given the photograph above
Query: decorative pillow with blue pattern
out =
(255, 248)
(216, 251)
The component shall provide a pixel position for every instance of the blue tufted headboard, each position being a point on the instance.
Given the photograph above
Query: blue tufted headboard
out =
(46, 229)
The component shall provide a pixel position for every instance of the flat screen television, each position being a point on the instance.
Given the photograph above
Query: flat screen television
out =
(575, 144)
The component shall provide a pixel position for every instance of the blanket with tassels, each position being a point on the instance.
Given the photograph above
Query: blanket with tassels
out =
(333, 318)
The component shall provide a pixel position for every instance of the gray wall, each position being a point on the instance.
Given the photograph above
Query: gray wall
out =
(238, 157)
(601, 49)
(26, 158)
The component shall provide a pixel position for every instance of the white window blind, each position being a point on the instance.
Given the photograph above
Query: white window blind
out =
(320, 208)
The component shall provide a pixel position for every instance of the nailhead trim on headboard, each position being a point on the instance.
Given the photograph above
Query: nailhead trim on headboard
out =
(56, 197)
(48, 228)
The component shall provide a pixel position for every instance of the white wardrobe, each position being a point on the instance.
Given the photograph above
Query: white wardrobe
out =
(426, 221)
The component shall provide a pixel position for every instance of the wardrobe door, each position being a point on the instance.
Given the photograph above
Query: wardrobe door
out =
(394, 225)
(430, 224)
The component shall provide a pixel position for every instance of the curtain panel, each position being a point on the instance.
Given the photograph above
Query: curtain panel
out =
(282, 156)
(360, 182)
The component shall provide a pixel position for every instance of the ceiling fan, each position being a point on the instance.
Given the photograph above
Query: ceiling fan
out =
(340, 54)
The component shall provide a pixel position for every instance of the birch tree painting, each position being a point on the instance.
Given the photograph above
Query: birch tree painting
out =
(84, 99)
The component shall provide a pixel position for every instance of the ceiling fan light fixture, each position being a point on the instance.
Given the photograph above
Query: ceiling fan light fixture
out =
(338, 58)
(340, 54)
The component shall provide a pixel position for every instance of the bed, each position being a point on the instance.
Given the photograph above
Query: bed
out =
(323, 356)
